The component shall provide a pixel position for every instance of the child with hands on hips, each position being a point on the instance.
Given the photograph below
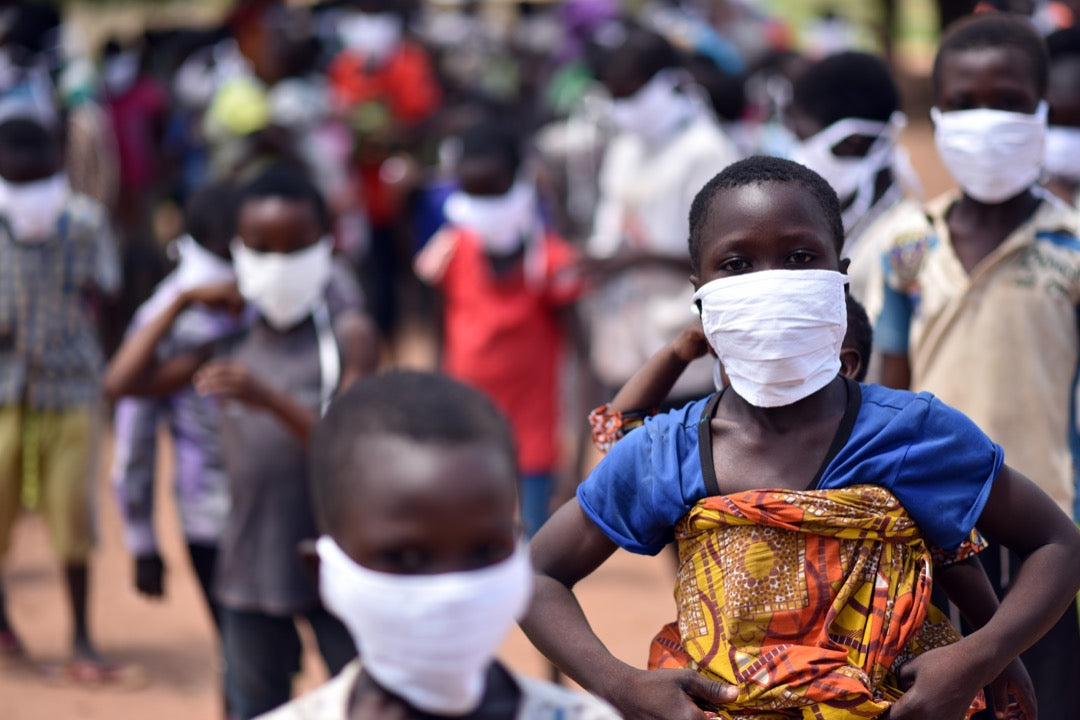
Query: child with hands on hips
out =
(414, 483)
(804, 504)
(303, 341)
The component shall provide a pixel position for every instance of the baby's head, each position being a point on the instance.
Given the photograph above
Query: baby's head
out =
(415, 473)
(764, 213)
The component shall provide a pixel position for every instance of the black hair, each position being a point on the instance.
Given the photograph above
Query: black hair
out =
(861, 333)
(490, 139)
(727, 91)
(758, 170)
(283, 181)
(1063, 43)
(417, 406)
(847, 85)
(28, 148)
(995, 30)
(640, 55)
(210, 216)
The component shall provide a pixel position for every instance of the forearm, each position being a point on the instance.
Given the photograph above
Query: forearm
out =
(969, 588)
(134, 362)
(650, 385)
(297, 418)
(557, 626)
(1043, 588)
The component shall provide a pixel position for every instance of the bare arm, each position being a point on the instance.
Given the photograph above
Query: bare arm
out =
(357, 342)
(135, 368)
(568, 548)
(650, 385)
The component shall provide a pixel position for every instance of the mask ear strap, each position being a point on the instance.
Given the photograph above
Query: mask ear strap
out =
(329, 356)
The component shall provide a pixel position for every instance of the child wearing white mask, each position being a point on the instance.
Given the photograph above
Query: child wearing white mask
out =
(667, 144)
(303, 339)
(763, 486)
(505, 281)
(198, 479)
(845, 111)
(414, 478)
(980, 296)
(1063, 133)
(58, 260)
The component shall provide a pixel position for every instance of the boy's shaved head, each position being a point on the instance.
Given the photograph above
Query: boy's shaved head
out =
(759, 170)
(995, 31)
(420, 408)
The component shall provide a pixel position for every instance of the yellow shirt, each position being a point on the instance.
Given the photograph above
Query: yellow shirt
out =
(1000, 344)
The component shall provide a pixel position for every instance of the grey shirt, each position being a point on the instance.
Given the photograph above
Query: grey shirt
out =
(258, 565)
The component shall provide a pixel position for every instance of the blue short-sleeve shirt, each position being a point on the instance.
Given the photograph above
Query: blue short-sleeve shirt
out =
(935, 460)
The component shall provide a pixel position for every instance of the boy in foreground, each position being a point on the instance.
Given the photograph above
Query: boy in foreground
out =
(414, 484)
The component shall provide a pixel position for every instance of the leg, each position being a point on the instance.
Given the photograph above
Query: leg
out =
(64, 460)
(335, 644)
(203, 561)
(262, 653)
(10, 500)
(535, 500)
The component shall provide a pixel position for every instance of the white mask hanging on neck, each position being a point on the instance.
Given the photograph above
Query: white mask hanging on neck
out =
(503, 222)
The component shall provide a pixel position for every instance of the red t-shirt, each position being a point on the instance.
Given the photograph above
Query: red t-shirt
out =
(502, 334)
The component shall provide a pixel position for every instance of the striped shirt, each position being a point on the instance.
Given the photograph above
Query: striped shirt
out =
(50, 357)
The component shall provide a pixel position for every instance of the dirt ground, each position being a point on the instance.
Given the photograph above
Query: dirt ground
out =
(627, 601)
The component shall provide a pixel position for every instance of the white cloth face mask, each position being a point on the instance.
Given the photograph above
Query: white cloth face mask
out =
(778, 333)
(851, 176)
(284, 287)
(198, 266)
(427, 638)
(655, 110)
(375, 35)
(1062, 158)
(32, 208)
(503, 222)
(993, 155)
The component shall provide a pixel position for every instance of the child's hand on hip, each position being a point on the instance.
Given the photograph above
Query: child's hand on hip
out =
(938, 685)
(670, 695)
(223, 378)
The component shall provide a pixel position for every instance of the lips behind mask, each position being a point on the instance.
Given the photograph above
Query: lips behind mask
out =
(778, 333)
(284, 287)
(993, 155)
(428, 638)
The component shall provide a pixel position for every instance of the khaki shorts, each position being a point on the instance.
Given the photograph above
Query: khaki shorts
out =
(56, 447)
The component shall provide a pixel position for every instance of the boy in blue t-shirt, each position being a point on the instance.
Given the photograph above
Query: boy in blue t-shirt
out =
(791, 425)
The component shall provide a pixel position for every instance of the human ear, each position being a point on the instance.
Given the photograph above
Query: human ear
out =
(695, 281)
(851, 363)
(845, 263)
(309, 560)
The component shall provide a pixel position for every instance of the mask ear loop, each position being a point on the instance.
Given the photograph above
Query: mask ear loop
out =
(329, 356)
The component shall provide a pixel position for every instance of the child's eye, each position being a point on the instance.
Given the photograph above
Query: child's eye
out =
(735, 265)
(489, 554)
(404, 560)
(800, 258)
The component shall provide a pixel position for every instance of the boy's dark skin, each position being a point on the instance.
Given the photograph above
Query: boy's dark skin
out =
(266, 225)
(780, 226)
(420, 508)
(1000, 78)
(23, 167)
